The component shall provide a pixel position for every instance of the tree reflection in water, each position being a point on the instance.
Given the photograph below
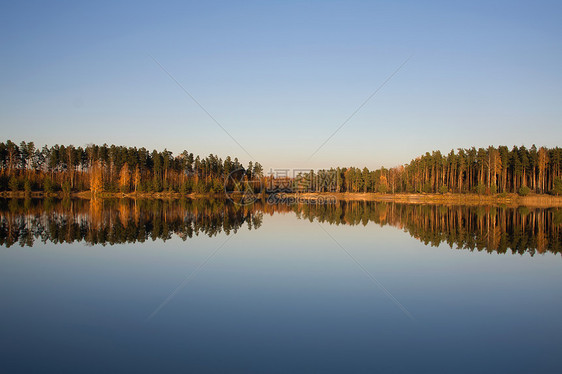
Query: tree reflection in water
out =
(118, 221)
(489, 228)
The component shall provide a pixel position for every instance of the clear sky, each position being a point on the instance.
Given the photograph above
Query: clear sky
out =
(282, 76)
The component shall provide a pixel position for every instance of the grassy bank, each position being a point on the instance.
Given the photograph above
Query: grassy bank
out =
(533, 200)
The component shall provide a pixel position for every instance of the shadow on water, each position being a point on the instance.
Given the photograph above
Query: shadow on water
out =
(483, 228)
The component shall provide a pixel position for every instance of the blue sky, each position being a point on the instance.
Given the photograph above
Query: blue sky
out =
(282, 76)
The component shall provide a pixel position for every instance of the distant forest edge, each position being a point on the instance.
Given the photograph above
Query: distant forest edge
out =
(67, 169)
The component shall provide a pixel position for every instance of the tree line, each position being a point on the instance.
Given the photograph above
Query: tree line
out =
(484, 171)
(25, 167)
(113, 168)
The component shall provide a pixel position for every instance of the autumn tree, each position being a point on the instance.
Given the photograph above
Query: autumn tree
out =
(124, 178)
(96, 179)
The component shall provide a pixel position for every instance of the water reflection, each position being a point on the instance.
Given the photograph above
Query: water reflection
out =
(118, 221)
(493, 229)
(489, 228)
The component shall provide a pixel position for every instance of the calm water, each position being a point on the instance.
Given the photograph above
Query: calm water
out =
(211, 287)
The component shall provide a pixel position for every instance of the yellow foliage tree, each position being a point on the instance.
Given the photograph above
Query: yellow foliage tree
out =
(124, 178)
(96, 181)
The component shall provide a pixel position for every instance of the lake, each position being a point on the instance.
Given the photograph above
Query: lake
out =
(208, 286)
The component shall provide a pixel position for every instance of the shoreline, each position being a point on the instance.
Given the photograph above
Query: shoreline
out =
(512, 199)
(86, 195)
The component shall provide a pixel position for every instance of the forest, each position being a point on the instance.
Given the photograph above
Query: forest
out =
(67, 169)
(113, 168)
(483, 171)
